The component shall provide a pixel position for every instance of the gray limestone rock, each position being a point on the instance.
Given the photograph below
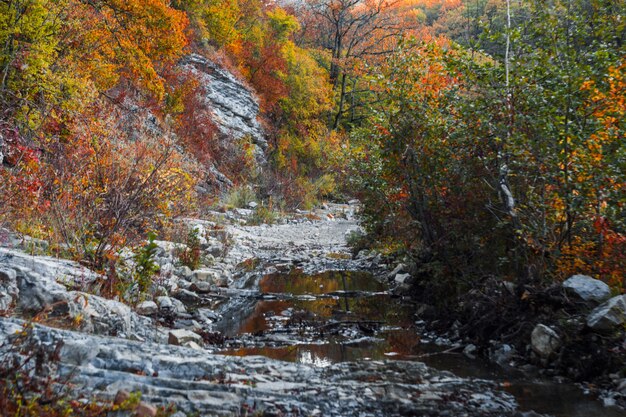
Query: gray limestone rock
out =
(544, 341)
(235, 108)
(147, 308)
(193, 381)
(608, 315)
(181, 336)
(587, 288)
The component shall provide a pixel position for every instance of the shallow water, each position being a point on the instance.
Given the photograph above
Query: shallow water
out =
(340, 316)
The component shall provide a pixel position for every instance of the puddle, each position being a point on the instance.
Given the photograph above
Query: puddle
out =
(341, 316)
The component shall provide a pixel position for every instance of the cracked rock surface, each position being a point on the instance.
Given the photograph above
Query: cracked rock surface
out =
(214, 385)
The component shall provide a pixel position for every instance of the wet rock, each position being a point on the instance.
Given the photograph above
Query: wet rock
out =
(502, 355)
(181, 336)
(193, 381)
(147, 308)
(608, 315)
(587, 288)
(470, 351)
(544, 341)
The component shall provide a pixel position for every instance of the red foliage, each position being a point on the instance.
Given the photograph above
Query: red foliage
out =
(265, 67)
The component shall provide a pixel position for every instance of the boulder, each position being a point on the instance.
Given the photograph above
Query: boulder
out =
(206, 315)
(608, 315)
(187, 296)
(8, 288)
(35, 289)
(145, 410)
(193, 345)
(165, 303)
(402, 278)
(184, 272)
(121, 397)
(587, 288)
(222, 281)
(147, 308)
(205, 275)
(214, 248)
(60, 270)
(173, 305)
(167, 269)
(399, 269)
(201, 287)
(181, 336)
(544, 341)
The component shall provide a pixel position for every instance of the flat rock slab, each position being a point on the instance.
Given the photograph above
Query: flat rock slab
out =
(213, 385)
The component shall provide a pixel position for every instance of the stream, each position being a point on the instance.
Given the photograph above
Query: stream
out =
(346, 316)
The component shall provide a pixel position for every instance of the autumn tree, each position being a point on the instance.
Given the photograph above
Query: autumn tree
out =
(355, 33)
(504, 164)
(67, 66)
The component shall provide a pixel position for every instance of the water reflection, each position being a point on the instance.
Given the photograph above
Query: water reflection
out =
(350, 319)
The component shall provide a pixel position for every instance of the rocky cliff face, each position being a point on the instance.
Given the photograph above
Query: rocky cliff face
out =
(233, 104)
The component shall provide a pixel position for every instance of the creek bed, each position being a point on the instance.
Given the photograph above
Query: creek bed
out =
(346, 316)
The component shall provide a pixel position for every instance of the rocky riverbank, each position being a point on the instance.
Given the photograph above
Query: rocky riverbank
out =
(165, 347)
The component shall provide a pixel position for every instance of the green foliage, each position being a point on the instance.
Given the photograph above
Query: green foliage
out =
(263, 215)
(190, 256)
(429, 161)
(239, 197)
(145, 267)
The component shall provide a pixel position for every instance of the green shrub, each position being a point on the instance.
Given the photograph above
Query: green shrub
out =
(263, 215)
(145, 266)
(190, 256)
(239, 197)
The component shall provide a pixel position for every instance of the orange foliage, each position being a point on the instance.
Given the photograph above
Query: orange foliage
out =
(129, 39)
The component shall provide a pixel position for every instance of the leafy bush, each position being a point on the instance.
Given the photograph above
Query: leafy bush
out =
(263, 215)
(190, 255)
(145, 266)
(239, 197)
